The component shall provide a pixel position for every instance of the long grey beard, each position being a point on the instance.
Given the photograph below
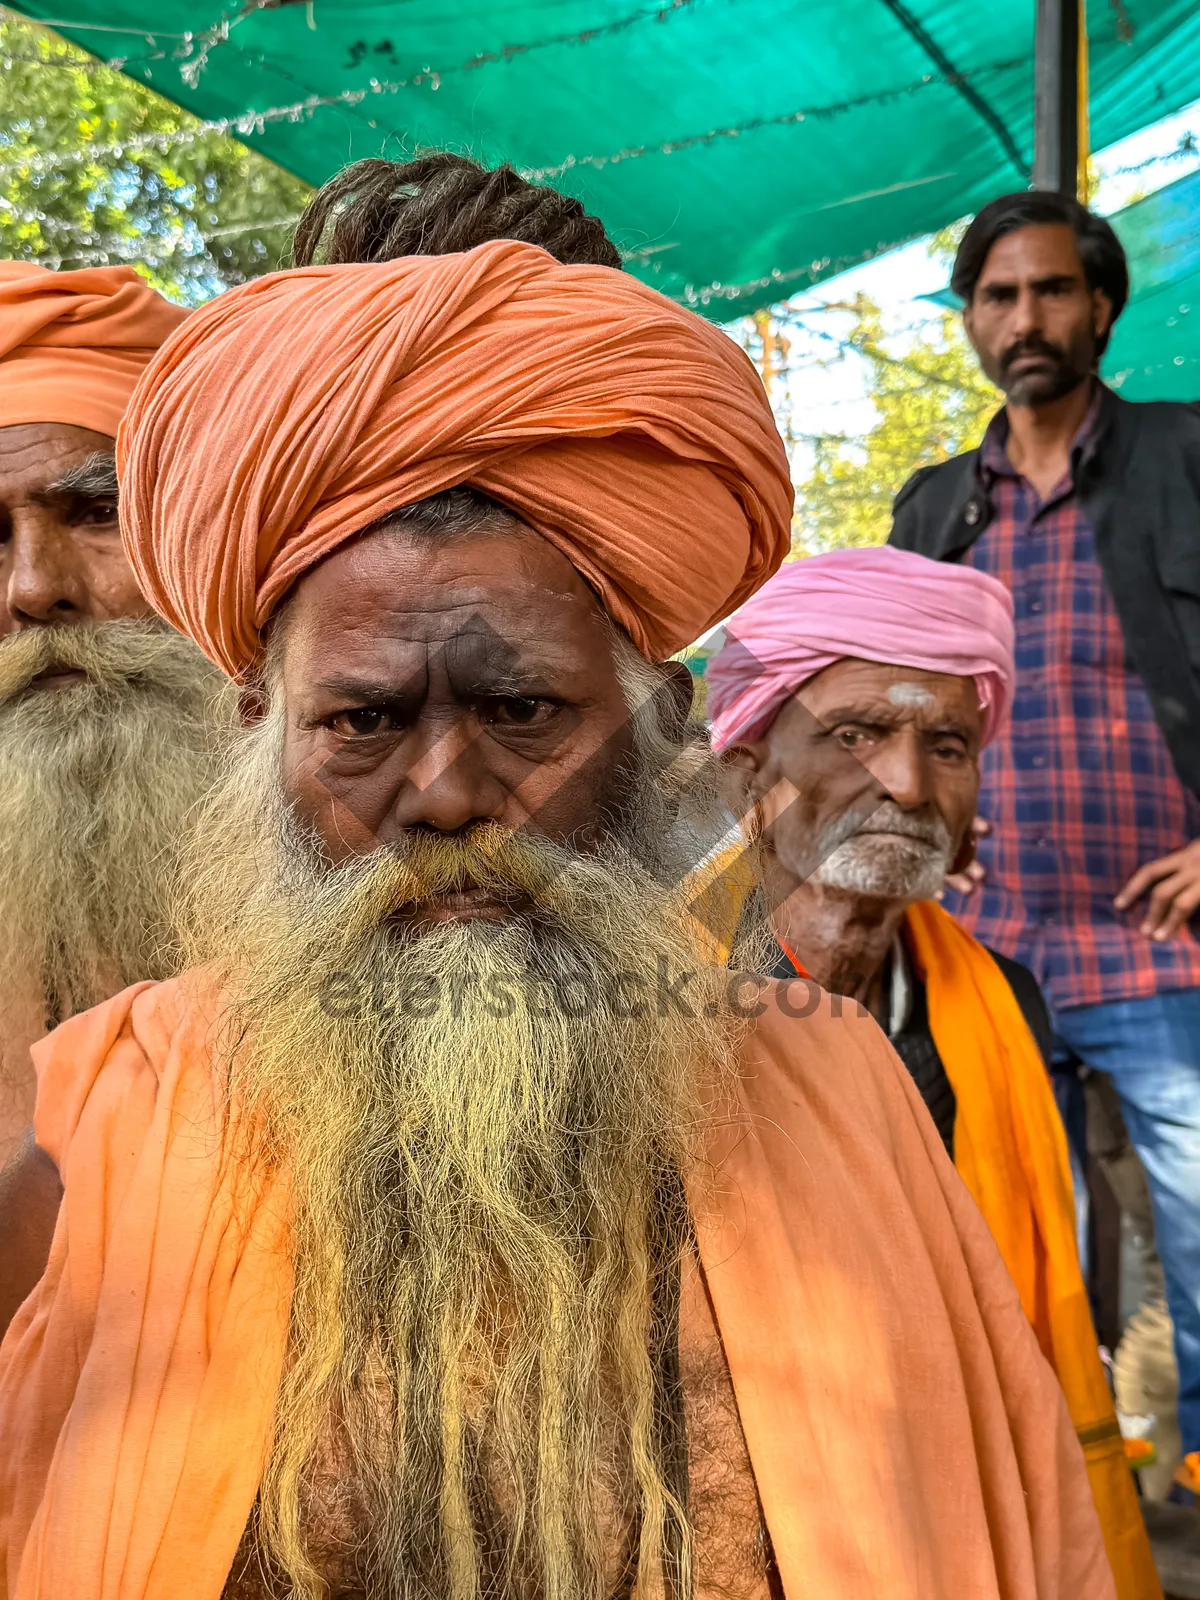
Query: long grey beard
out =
(479, 1120)
(96, 780)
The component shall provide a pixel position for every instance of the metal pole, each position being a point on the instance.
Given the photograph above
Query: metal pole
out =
(1056, 96)
(1083, 119)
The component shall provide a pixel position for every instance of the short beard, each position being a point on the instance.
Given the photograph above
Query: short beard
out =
(96, 780)
(488, 1197)
(1069, 368)
(875, 864)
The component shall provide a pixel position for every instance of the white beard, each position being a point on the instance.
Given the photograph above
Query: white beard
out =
(893, 857)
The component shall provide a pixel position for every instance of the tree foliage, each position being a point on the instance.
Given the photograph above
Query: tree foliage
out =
(95, 169)
(932, 402)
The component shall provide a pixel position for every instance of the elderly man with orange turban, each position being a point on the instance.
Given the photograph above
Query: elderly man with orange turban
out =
(106, 715)
(850, 702)
(449, 1228)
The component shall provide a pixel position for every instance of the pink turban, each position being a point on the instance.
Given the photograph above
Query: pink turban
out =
(875, 604)
(292, 411)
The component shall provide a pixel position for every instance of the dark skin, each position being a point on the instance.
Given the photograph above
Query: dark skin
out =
(1033, 296)
(427, 684)
(434, 684)
(855, 733)
(61, 558)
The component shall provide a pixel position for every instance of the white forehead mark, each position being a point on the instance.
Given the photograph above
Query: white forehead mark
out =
(909, 694)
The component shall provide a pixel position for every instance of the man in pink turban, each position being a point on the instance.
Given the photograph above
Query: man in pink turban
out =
(450, 1228)
(851, 700)
(107, 716)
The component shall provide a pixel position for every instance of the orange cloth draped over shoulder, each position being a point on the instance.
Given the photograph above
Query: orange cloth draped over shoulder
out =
(1011, 1151)
(74, 344)
(907, 1439)
(294, 410)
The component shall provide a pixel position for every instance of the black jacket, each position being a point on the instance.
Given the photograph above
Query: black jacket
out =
(1139, 486)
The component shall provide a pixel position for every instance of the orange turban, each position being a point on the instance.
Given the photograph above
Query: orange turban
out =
(294, 410)
(74, 344)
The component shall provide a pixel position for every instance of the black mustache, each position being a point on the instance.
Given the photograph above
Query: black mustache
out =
(1035, 345)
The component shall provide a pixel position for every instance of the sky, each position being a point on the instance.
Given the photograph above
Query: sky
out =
(832, 398)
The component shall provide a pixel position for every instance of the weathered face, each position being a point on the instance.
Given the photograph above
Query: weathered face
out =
(431, 683)
(61, 559)
(868, 778)
(1033, 320)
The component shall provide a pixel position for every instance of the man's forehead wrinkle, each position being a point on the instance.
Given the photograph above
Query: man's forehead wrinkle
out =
(482, 613)
(373, 653)
(930, 710)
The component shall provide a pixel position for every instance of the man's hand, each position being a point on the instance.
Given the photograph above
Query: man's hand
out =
(973, 874)
(1173, 883)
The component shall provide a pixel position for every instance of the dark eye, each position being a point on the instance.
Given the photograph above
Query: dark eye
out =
(852, 738)
(520, 711)
(95, 513)
(360, 722)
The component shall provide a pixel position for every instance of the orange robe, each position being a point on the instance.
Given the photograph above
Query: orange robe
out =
(908, 1440)
(1010, 1150)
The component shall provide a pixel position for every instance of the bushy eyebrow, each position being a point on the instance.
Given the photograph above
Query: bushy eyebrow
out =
(877, 716)
(95, 478)
(1052, 280)
(377, 691)
(872, 716)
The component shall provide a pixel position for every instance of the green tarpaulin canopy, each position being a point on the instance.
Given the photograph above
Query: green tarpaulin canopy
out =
(738, 149)
(1155, 351)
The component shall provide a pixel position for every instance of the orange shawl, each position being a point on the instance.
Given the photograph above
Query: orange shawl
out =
(907, 1439)
(1011, 1150)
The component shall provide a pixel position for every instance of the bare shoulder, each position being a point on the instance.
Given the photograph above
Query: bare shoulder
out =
(30, 1195)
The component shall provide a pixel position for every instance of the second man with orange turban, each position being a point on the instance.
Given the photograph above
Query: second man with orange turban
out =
(107, 717)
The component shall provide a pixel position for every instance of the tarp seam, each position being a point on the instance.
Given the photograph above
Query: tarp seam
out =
(958, 80)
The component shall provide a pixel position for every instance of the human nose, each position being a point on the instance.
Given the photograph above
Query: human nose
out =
(449, 784)
(44, 584)
(1027, 314)
(902, 768)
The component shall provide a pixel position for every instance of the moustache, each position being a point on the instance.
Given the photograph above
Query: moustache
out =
(526, 873)
(111, 655)
(1032, 345)
(889, 818)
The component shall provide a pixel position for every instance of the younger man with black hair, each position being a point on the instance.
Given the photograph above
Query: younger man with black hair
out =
(1088, 508)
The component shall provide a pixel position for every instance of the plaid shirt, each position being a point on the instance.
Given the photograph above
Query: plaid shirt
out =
(1080, 788)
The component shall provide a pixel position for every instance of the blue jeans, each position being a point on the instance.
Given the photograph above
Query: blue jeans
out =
(1150, 1049)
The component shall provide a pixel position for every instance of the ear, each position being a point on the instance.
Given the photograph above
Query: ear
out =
(676, 697)
(253, 704)
(1102, 313)
(741, 766)
(965, 853)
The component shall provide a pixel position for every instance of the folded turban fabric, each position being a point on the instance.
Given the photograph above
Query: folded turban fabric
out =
(74, 344)
(875, 604)
(298, 408)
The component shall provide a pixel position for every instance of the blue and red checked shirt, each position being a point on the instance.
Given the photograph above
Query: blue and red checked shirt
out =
(1080, 789)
